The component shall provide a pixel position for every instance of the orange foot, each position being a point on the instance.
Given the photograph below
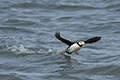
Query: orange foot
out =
(63, 51)
(78, 54)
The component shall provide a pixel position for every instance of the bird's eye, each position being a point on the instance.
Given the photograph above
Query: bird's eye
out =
(80, 41)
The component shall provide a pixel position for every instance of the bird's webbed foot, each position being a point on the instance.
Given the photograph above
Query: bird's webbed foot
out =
(78, 53)
(63, 51)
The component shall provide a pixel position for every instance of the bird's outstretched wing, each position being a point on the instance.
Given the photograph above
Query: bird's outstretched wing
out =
(57, 35)
(94, 39)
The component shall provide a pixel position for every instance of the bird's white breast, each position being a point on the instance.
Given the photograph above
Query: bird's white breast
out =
(73, 48)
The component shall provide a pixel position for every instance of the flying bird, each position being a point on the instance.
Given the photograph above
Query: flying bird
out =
(74, 47)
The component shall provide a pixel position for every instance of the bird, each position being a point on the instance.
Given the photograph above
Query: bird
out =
(74, 47)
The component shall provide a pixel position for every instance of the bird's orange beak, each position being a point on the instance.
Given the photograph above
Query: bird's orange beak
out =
(83, 43)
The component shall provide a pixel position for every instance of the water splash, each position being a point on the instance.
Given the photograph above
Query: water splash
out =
(19, 49)
(24, 50)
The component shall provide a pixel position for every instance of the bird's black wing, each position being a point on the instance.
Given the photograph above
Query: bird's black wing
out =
(57, 35)
(94, 39)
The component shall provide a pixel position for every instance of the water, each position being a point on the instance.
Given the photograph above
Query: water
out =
(30, 51)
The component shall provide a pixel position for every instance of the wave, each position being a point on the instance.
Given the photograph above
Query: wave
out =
(19, 22)
(65, 4)
(54, 5)
(75, 7)
(16, 29)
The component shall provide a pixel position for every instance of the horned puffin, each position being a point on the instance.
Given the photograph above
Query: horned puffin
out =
(74, 47)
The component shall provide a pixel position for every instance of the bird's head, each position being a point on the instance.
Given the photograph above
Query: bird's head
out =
(81, 43)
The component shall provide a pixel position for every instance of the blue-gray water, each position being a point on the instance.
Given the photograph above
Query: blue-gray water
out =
(29, 50)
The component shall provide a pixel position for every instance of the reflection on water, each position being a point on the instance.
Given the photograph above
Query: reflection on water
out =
(72, 62)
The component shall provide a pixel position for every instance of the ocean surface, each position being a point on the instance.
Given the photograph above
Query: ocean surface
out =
(30, 51)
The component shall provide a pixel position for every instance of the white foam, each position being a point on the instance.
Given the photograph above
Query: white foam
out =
(20, 49)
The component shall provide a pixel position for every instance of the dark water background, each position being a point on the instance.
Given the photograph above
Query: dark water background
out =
(29, 50)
